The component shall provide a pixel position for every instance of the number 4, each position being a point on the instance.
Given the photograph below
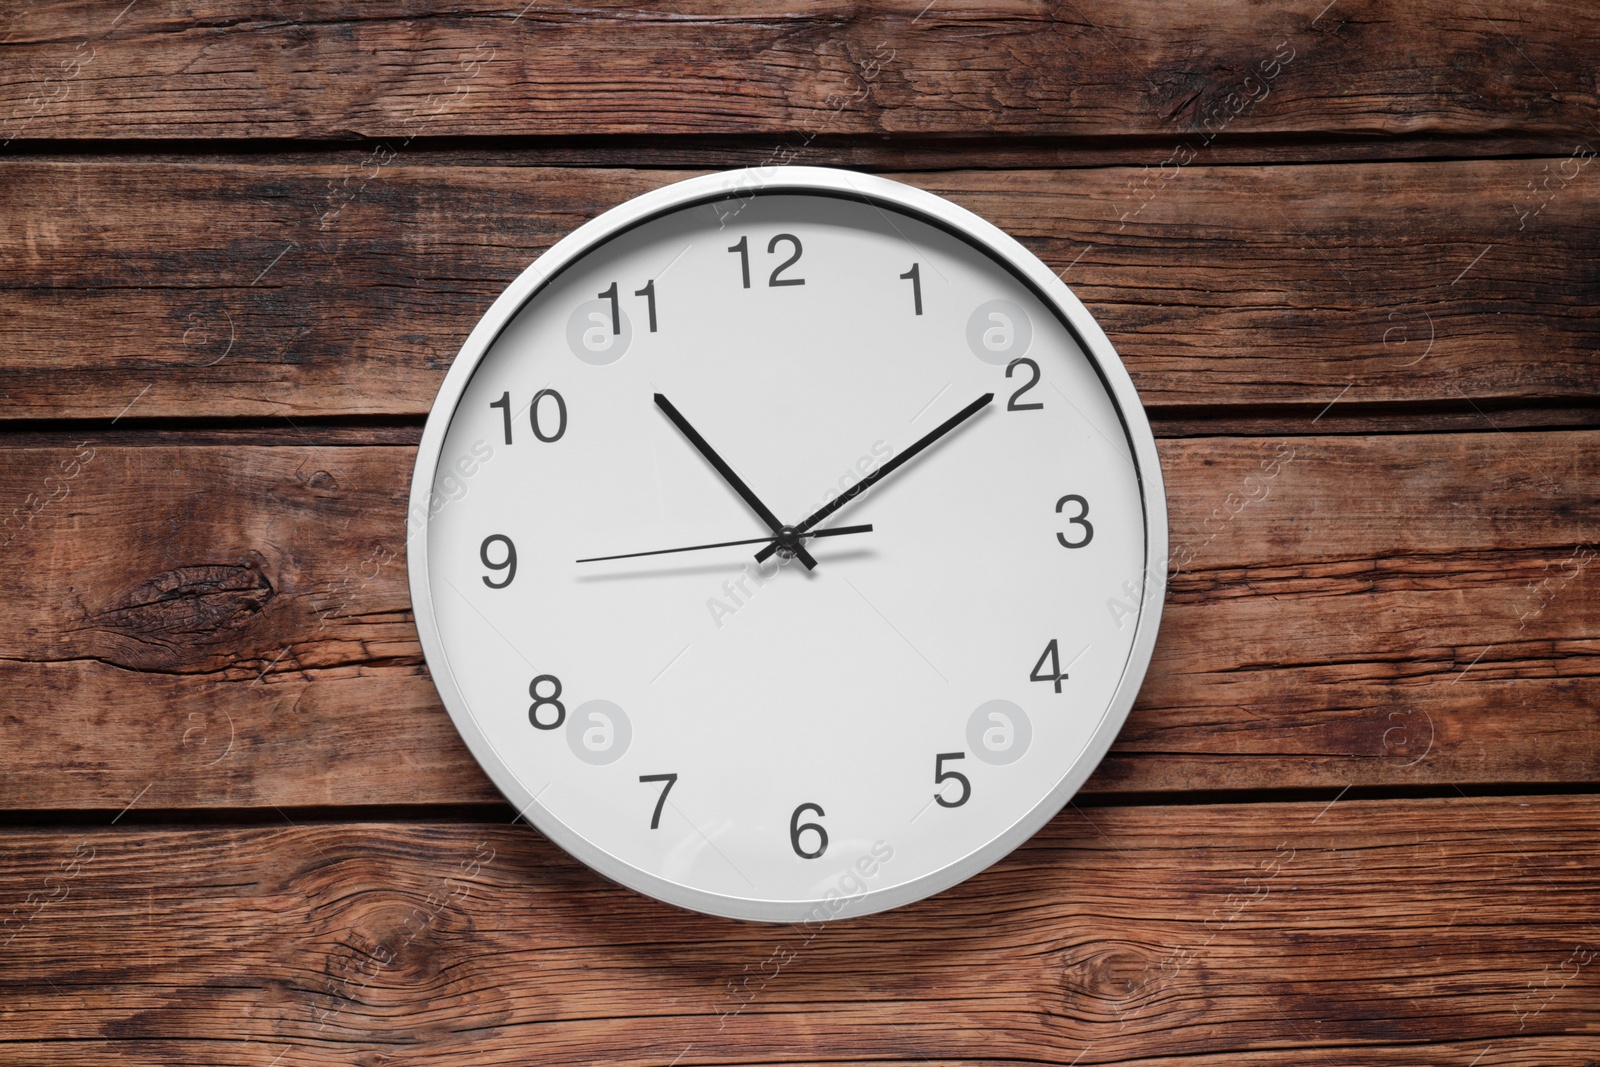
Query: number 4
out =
(1056, 675)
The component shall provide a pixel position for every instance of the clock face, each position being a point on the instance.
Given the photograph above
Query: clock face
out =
(946, 562)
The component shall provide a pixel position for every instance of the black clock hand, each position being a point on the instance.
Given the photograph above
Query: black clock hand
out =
(730, 476)
(872, 479)
(835, 532)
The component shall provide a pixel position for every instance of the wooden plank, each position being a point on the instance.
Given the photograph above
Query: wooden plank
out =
(1007, 68)
(1362, 932)
(866, 152)
(1396, 610)
(306, 291)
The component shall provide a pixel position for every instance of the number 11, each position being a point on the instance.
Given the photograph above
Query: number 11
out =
(648, 292)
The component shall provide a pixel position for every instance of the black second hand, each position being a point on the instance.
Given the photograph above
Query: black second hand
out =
(866, 528)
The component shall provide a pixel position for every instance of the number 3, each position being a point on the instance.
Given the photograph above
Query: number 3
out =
(1080, 519)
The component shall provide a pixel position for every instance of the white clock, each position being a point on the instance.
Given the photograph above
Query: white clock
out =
(787, 550)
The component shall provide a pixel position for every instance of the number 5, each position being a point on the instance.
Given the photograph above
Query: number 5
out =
(941, 776)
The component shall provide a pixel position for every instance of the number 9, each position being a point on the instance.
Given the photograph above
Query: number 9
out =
(509, 564)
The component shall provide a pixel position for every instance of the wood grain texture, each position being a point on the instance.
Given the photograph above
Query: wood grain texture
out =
(866, 152)
(154, 291)
(1398, 610)
(1007, 68)
(1390, 932)
(243, 242)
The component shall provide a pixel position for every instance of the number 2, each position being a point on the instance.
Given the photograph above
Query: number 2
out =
(1012, 405)
(772, 246)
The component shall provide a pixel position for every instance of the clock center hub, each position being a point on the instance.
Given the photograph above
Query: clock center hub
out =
(788, 543)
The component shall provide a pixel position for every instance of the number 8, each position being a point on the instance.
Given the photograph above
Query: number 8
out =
(553, 700)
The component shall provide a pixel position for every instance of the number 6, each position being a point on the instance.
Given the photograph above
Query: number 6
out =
(796, 828)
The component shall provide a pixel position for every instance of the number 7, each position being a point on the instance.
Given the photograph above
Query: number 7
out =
(671, 780)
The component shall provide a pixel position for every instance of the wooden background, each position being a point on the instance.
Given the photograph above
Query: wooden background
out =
(1353, 818)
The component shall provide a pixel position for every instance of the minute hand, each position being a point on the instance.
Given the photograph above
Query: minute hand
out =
(872, 479)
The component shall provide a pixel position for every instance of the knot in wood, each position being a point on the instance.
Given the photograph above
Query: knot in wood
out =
(172, 619)
(1110, 979)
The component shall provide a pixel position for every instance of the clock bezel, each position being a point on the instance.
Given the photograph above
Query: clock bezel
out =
(999, 247)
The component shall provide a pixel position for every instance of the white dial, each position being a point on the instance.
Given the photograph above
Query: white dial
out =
(936, 530)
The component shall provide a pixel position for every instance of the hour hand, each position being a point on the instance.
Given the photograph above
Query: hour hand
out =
(731, 476)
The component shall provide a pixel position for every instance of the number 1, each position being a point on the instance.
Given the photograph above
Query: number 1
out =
(671, 780)
(743, 248)
(616, 312)
(505, 403)
(649, 293)
(914, 276)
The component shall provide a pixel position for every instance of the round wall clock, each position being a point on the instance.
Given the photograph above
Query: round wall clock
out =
(789, 551)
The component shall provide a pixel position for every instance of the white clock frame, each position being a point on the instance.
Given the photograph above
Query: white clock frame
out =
(1008, 253)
